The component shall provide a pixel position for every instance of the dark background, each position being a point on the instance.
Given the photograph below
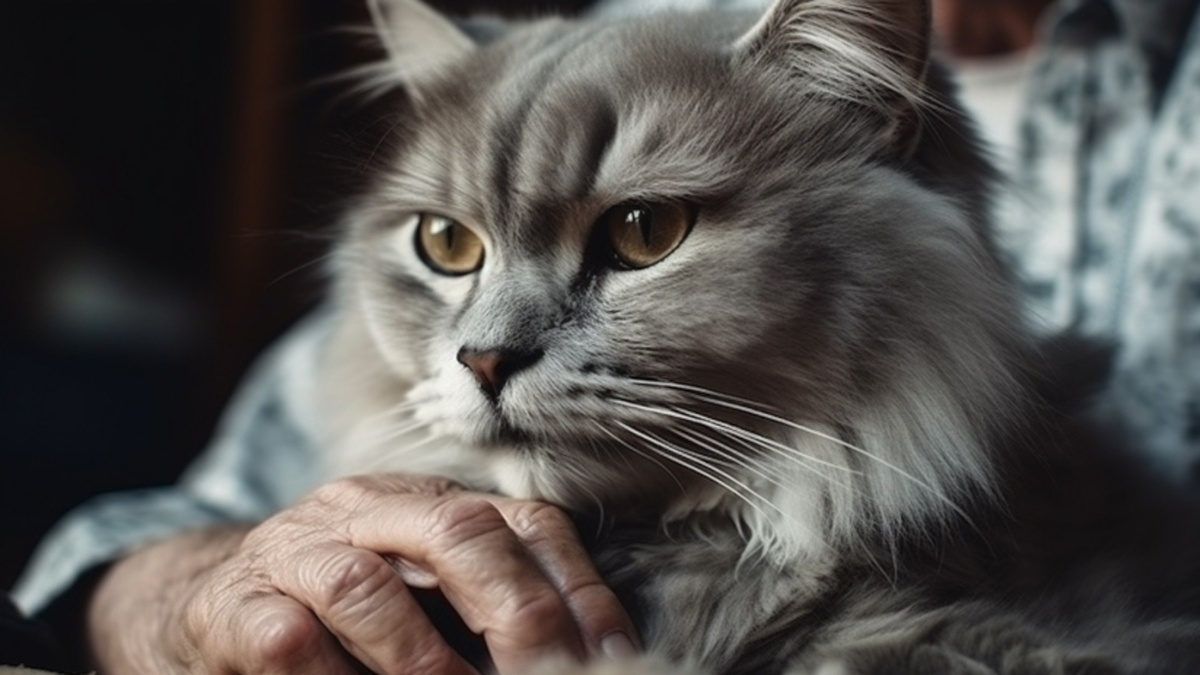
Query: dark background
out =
(169, 176)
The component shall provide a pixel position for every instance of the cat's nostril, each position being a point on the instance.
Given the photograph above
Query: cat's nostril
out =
(493, 367)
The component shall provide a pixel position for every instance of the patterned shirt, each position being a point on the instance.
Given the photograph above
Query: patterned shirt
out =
(1104, 232)
(1103, 225)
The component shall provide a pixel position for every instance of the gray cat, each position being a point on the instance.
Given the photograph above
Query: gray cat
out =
(724, 286)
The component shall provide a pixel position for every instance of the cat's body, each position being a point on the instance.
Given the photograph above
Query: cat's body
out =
(808, 418)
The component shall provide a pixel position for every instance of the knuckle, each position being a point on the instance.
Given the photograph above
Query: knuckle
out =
(535, 520)
(195, 623)
(349, 577)
(534, 613)
(457, 521)
(202, 621)
(417, 484)
(345, 491)
(591, 596)
(282, 638)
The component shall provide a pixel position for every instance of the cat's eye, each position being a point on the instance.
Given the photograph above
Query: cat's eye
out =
(642, 234)
(448, 246)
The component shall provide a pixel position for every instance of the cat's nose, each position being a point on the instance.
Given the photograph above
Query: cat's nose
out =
(493, 367)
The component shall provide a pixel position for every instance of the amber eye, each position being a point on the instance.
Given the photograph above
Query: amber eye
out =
(447, 246)
(642, 234)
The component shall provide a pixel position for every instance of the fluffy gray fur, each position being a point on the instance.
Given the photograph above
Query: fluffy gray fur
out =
(811, 435)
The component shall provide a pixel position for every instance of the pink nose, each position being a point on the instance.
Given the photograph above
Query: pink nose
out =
(487, 368)
(493, 367)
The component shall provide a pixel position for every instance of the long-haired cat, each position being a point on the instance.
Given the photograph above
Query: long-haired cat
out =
(723, 284)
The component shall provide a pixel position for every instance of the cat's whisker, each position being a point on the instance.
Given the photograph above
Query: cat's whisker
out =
(719, 470)
(579, 470)
(732, 455)
(849, 446)
(422, 443)
(401, 407)
(702, 467)
(714, 443)
(693, 389)
(718, 425)
(393, 433)
(757, 444)
(383, 461)
(639, 452)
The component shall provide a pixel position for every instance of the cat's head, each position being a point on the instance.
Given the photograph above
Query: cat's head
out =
(686, 257)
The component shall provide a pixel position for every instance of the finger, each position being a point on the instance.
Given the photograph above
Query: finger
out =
(484, 569)
(362, 601)
(497, 586)
(275, 634)
(552, 539)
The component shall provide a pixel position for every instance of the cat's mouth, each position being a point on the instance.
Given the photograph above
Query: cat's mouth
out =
(505, 433)
(497, 429)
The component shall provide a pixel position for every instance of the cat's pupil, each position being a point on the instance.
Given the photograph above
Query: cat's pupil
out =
(641, 235)
(640, 218)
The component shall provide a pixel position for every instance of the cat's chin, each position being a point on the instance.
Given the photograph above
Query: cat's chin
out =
(529, 472)
(524, 474)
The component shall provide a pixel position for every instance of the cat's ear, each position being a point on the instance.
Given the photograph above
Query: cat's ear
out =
(868, 52)
(418, 39)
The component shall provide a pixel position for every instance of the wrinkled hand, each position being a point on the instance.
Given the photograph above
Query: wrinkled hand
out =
(331, 575)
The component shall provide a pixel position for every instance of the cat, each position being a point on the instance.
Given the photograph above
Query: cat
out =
(724, 286)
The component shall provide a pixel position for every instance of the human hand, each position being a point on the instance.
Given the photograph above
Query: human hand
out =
(331, 575)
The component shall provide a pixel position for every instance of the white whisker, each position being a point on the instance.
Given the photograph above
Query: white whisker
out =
(629, 446)
(693, 389)
(849, 446)
(703, 467)
(391, 434)
(741, 461)
(403, 406)
(718, 425)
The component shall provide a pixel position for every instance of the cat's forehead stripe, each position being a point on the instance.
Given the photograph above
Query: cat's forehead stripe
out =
(549, 145)
(507, 134)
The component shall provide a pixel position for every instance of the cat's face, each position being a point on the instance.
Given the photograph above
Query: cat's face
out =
(607, 251)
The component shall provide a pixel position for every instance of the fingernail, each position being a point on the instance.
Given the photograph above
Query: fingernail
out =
(618, 647)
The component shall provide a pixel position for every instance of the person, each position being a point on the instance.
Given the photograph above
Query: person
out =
(227, 562)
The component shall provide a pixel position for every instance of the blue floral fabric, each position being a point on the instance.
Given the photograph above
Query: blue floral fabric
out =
(1103, 223)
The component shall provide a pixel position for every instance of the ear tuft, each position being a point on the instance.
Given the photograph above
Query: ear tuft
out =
(418, 41)
(869, 52)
